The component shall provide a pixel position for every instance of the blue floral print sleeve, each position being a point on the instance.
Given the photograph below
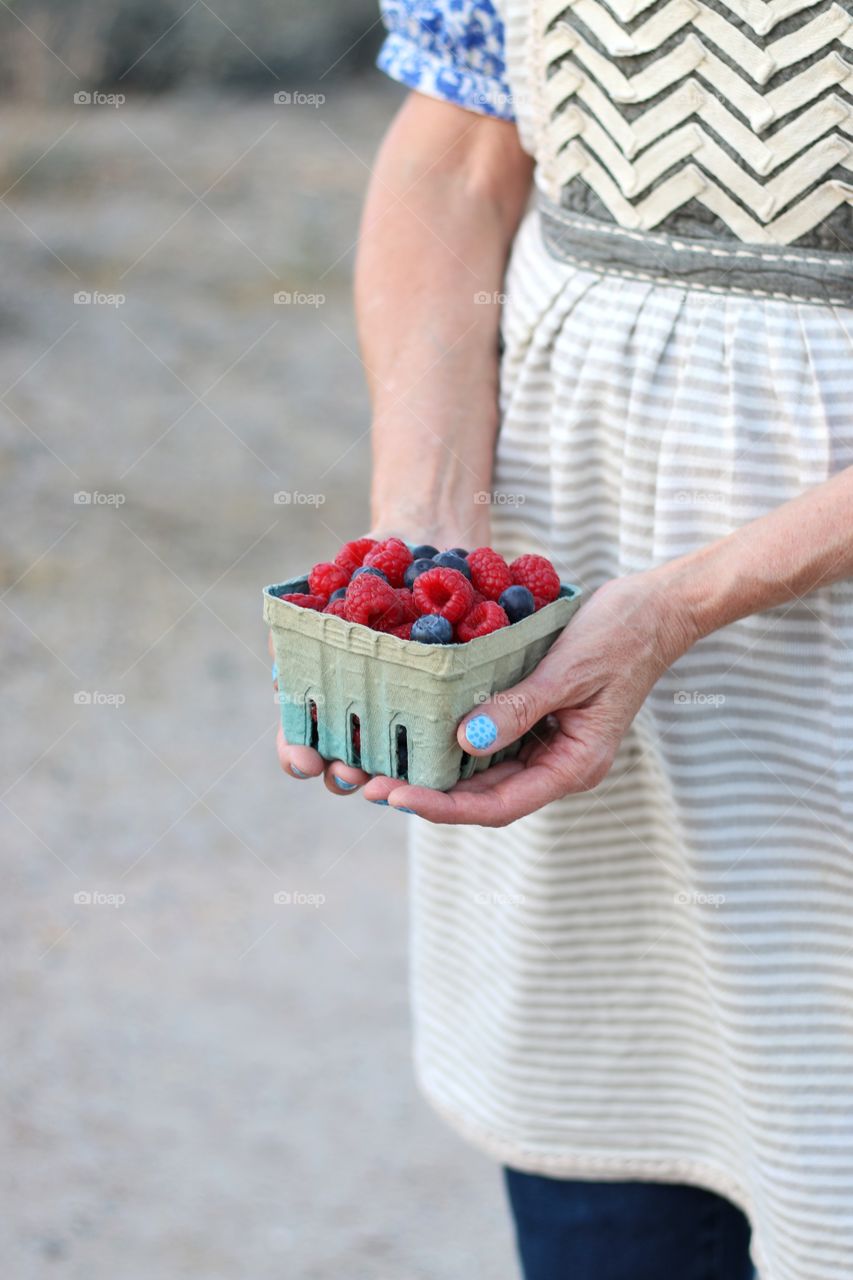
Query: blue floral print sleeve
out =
(449, 49)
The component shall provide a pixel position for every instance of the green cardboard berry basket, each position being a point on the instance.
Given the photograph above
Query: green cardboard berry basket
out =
(392, 706)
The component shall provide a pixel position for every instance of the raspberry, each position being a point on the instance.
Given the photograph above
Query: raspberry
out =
(432, 629)
(305, 601)
(373, 603)
(538, 575)
(489, 572)
(407, 600)
(539, 602)
(337, 607)
(352, 554)
(393, 557)
(443, 591)
(478, 599)
(326, 578)
(482, 620)
(404, 631)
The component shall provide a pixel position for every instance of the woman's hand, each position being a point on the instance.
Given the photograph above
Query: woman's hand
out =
(579, 701)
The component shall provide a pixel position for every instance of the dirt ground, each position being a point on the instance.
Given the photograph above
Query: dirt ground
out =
(201, 1081)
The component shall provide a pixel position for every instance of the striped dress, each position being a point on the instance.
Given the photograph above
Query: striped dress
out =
(654, 980)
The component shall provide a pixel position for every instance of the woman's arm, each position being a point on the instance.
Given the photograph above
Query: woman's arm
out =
(447, 194)
(597, 675)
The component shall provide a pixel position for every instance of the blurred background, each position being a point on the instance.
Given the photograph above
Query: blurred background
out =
(200, 1080)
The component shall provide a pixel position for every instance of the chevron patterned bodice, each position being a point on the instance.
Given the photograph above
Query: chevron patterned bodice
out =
(723, 118)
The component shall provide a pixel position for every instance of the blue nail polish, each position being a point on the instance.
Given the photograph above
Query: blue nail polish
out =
(401, 808)
(275, 671)
(344, 785)
(379, 802)
(298, 772)
(481, 732)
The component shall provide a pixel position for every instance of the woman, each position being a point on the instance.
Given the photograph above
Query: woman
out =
(633, 952)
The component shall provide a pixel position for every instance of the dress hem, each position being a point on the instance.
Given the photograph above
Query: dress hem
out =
(594, 1168)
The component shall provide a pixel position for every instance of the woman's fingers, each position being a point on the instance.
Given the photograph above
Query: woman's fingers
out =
(298, 762)
(344, 779)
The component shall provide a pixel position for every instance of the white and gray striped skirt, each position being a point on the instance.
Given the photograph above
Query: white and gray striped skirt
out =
(655, 980)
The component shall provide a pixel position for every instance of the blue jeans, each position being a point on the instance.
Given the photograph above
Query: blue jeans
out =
(569, 1230)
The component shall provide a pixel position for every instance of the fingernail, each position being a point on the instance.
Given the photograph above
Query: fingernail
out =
(344, 786)
(379, 802)
(401, 808)
(297, 772)
(275, 671)
(481, 732)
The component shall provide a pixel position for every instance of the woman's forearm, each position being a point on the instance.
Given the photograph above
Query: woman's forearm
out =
(444, 203)
(804, 544)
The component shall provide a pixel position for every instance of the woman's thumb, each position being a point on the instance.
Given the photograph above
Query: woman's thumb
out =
(503, 717)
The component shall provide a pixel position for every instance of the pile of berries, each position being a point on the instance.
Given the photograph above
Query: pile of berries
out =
(435, 597)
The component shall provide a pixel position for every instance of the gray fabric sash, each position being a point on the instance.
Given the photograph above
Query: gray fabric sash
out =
(769, 271)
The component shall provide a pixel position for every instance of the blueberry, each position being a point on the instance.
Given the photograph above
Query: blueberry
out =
(458, 551)
(431, 628)
(338, 595)
(449, 560)
(377, 573)
(415, 569)
(424, 552)
(517, 603)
